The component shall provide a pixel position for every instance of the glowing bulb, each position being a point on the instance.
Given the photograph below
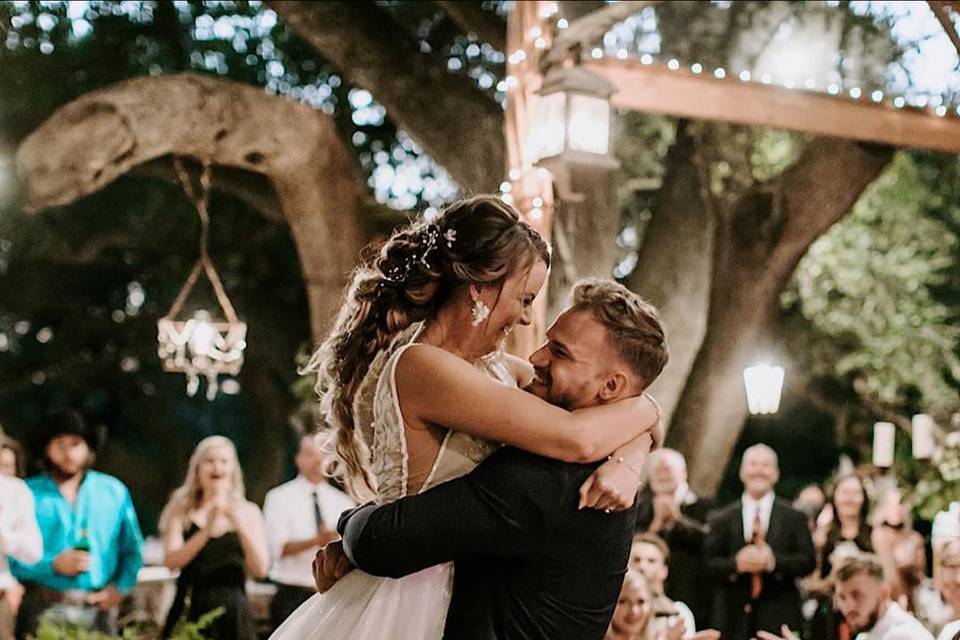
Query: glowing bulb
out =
(833, 89)
(811, 84)
(898, 102)
(622, 54)
(562, 23)
(537, 201)
(855, 93)
(597, 53)
(744, 76)
(766, 79)
(505, 187)
(941, 111)
(876, 96)
(719, 73)
(696, 67)
(540, 43)
(673, 64)
(646, 58)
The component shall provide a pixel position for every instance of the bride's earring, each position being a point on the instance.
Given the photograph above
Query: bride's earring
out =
(479, 312)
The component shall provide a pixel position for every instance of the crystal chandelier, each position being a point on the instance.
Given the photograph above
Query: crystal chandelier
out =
(201, 345)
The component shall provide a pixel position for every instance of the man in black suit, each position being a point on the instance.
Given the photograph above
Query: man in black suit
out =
(756, 549)
(529, 563)
(672, 511)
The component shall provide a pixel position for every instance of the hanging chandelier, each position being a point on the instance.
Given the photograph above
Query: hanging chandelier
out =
(203, 345)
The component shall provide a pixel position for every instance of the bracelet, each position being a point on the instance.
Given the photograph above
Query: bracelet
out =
(632, 467)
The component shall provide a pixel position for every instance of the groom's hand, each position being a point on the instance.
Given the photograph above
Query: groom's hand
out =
(329, 565)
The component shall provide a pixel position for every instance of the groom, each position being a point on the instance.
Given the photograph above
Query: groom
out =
(529, 564)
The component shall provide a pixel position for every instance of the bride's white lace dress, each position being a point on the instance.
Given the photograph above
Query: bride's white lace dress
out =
(361, 606)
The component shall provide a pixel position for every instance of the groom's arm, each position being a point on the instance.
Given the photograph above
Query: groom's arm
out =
(496, 511)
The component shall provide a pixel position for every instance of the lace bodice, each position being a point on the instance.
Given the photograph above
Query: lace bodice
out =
(377, 414)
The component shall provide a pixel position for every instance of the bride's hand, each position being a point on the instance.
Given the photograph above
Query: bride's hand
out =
(612, 487)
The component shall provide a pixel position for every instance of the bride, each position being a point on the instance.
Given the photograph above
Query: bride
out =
(452, 288)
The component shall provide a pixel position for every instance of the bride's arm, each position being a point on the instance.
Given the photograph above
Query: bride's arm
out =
(436, 386)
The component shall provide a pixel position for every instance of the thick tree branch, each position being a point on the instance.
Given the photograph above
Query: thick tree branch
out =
(457, 124)
(587, 32)
(470, 16)
(940, 11)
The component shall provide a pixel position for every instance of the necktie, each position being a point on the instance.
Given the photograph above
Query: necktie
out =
(756, 581)
(316, 511)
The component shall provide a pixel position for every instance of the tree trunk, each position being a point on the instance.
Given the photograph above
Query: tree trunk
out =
(757, 247)
(456, 123)
(674, 265)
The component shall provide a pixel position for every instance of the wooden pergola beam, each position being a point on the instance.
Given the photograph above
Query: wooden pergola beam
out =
(654, 88)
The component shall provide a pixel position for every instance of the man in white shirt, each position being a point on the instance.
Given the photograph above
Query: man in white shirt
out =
(19, 538)
(301, 516)
(671, 618)
(756, 549)
(863, 598)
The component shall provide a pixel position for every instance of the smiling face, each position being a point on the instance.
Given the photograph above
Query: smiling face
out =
(759, 471)
(512, 304)
(648, 560)
(633, 607)
(573, 365)
(848, 498)
(8, 462)
(950, 574)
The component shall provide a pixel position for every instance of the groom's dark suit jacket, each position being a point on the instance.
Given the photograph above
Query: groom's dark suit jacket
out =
(529, 565)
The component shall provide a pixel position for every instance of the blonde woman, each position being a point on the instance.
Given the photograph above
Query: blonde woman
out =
(215, 537)
(418, 393)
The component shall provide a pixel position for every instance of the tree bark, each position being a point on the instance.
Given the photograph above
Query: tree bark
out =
(674, 266)
(283, 157)
(472, 18)
(456, 123)
(757, 247)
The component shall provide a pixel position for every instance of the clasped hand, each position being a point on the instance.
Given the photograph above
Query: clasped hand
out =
(755, 558)
(329, 565)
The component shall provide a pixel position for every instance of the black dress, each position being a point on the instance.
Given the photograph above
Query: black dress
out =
(214, 578)
(825, 624)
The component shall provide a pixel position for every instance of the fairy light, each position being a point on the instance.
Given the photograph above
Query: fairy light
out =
(540, 43)
(515, 174)
(506, 187)
(646, 59)
(536, 213)
(535, 32)
(597, 53)
(855, 93)
(876, 96)
(537, 201)
(696, 67)
(766, 79)
(941, 111)
(622, 54)
(922, 102)
(562, 23)
(810, 83)
(833, 89)
(673, 64)
(744, 76)
(719, 73)
(506, 197)
(898, 102)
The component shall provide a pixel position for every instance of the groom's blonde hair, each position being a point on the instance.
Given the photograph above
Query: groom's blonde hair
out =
(633, 325)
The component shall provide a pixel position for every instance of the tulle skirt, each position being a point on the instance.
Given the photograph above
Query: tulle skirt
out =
(365, 607)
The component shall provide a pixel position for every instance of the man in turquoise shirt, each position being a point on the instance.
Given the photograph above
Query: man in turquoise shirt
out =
(91, 537)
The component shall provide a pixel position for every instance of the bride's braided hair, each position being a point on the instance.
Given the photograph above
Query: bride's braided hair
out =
(477, 240)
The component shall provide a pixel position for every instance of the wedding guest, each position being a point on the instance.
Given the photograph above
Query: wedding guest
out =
(631, 616)
(899, 548)
(91, 536)
(12, 461)
(301, 516)
(756, 550)
(214, 537)
(948, 582)
(674, 513)
(19, 539)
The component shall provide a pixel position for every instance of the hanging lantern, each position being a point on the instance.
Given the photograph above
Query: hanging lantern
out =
(884, 441)
(201, 345)
(572, 118)
(764, 384)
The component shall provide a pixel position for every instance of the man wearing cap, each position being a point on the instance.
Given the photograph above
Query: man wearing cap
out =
(91, 537)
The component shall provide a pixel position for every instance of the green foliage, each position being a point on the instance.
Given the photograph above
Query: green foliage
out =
(870, 285)
(939, 483)
(184, 630)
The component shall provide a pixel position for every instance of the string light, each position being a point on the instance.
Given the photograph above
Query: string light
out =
(898, 102)
(515, 174)
(540, 43)
(537, 201)
(622, 54)
(562, 23)
(696, 67)
(719, 73)
(833, 89)
(506, 197)
(505, 186)
(673, 64)
(646, 59)
(536, 213)
(876, 96)
(535, 32)
(941, 111)
(597, 53)
(811, 84)
(855, 93)
(744, 76)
